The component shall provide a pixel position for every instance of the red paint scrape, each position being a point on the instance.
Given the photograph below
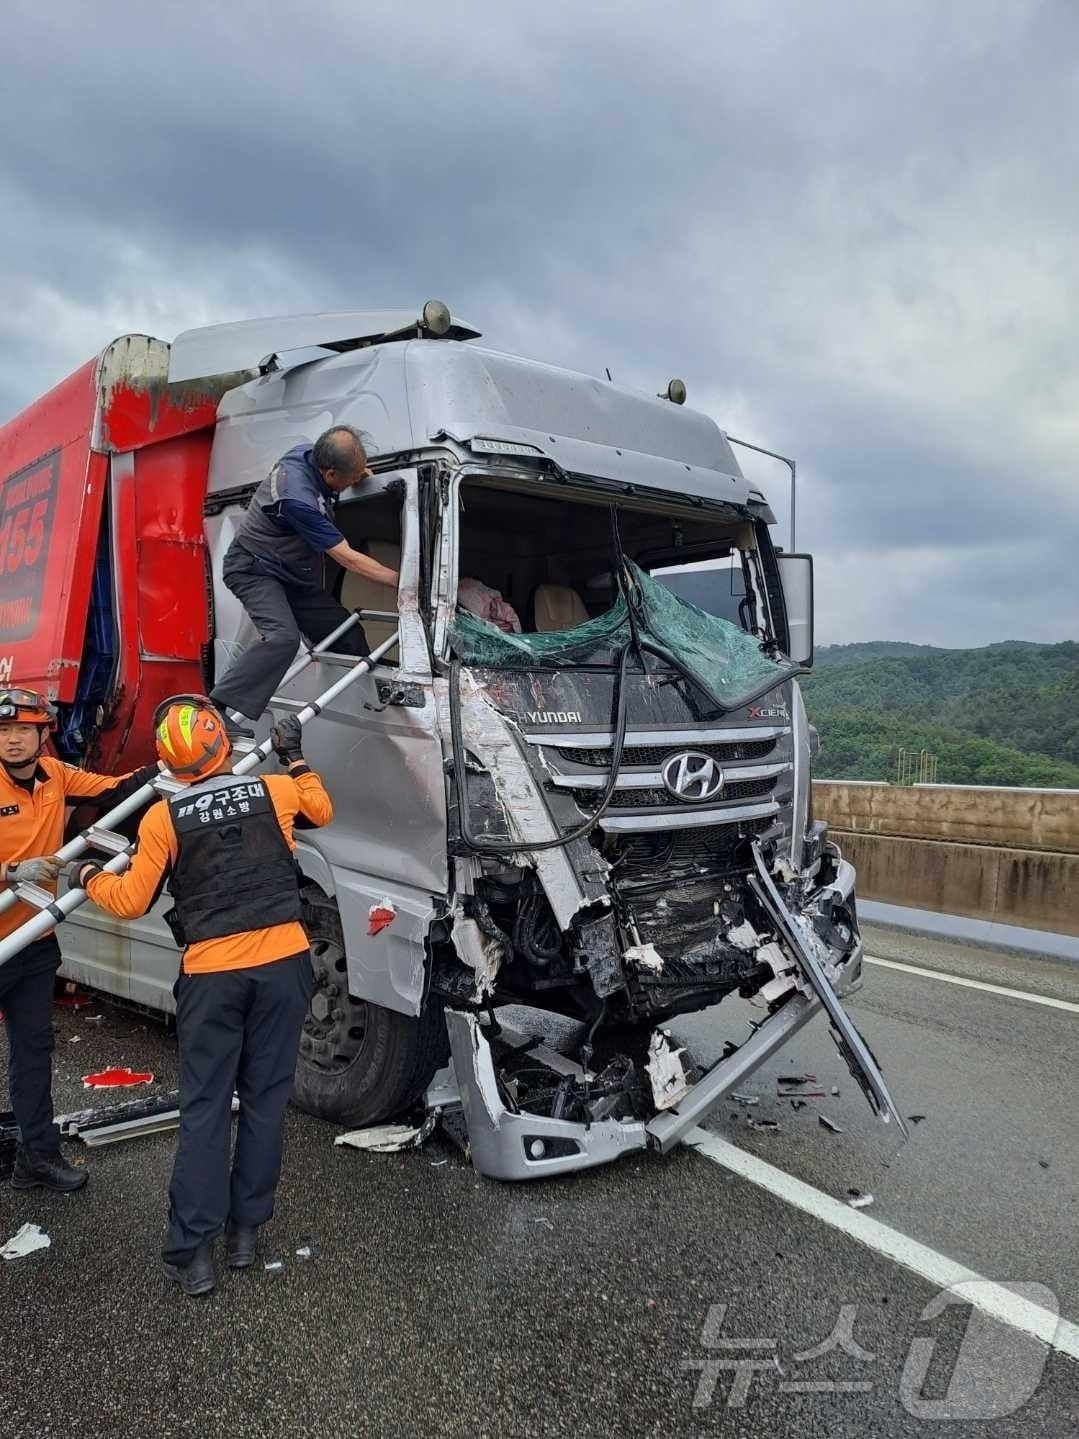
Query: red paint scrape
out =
(379, 916)
(116, 1078)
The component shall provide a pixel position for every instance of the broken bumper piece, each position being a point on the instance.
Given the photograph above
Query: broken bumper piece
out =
(514, 1145)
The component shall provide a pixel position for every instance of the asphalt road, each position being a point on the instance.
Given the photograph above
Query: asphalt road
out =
(436, 1302)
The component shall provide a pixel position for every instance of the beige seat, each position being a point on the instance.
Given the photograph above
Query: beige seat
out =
(558, 608)
(360, 594)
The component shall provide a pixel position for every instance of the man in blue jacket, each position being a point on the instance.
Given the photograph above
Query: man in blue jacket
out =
(275, 567)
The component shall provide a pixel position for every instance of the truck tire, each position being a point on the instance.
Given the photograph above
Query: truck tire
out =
(359, 1063)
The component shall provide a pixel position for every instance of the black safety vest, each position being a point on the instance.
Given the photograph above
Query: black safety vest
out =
(234, 870)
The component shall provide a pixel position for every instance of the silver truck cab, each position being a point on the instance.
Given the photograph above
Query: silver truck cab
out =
(535, 810)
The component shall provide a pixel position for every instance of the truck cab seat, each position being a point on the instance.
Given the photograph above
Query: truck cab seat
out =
(557, 607)
(360, 594)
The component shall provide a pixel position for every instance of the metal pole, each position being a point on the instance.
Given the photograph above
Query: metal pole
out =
(146, 793)
(786, 459)
(48, 919)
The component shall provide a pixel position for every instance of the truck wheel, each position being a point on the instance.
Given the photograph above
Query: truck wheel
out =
(359, 1063)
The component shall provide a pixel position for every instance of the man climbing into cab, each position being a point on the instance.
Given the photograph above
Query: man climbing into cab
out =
(35, 789)
(225, 843)
(275, 567)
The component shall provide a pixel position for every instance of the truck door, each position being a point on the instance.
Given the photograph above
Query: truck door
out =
(378, 750)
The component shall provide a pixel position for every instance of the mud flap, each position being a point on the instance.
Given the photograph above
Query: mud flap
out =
(852, 1047)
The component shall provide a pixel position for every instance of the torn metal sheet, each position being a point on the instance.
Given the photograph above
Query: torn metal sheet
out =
(24, 1241)
(491, 737)
(482, 953)
(665, 1069)
(849, 1042)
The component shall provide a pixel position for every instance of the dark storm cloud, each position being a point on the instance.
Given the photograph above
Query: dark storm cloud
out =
(850, 228)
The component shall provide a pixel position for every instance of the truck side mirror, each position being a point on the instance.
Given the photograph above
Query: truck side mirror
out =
(796, 577)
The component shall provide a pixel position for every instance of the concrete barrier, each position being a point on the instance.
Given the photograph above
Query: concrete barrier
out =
(1008, 856)
(973, 814)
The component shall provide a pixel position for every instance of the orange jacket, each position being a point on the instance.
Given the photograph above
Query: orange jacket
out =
(132, 893)
(33, 824)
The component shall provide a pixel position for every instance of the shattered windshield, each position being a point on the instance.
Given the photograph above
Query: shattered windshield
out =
(729, 665)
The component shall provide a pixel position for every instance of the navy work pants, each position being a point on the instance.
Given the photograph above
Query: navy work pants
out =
(239, 1029)
(27, 982)
(281, 613)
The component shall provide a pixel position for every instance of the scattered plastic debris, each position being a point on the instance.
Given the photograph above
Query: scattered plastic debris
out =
(915, 1118)
(1044, 1163)
(116, 1078)
(304, 1252)
(543, 1220)
(438, 1163)
(645, 956)
(761, 1123)
(857, 1200)
(796, 1079)
(94, 1018)
(75, 1039)
(380, 916)
(274, 1266)
(25, 1241)
(835, 1090)
(799, 1104)
(746, 1098)
(829, 1124)
(390, 1138)
(665, 1069)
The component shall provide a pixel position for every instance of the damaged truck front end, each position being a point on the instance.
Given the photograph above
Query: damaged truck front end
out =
(632, 840)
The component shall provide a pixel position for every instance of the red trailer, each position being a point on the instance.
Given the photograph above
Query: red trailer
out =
(104, 599)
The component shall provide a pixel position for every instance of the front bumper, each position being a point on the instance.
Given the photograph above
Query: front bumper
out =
(507, 1144)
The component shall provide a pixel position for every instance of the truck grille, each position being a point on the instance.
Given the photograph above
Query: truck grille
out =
(640, 755)
(717, 846)
(662, 798)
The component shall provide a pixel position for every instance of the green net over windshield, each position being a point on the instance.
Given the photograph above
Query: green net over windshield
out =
(728, 664)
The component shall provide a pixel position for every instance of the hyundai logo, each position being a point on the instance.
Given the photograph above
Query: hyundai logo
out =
(692, 776)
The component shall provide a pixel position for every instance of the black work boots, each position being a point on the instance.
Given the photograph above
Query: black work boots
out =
(240, 1242)
(198, 1275)
(46, 1171)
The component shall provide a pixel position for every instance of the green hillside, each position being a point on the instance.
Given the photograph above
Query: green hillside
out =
(1006, 714)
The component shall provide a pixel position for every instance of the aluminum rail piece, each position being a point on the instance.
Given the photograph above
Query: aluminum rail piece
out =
(58, 910)
(852, 1047)
(162, 785)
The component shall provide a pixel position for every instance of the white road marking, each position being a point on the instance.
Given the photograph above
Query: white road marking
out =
(975, 984)
(993, 1299)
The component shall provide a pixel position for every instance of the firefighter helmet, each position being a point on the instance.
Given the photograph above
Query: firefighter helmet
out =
(190, 736)
(26, 707)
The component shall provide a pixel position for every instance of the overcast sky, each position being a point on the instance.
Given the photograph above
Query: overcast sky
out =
(852, 228)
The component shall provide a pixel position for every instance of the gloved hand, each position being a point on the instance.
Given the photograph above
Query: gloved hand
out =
(286, 740)
(41, 869)
(73, 870)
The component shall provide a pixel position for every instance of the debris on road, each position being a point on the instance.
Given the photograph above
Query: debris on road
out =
(111, 1122)
(274, 1266)
(543, 1220)
(1044, 1163)
(25, 1241)
(829, 1124)
(390, 1138)
(857, 1200)
(794, 1079)
(116, 1078)
(761, 1123)
(915, 1118)
(304, 1252)
(746, 1098)
(670, 1083)
(835, 1090)
(798, 1104)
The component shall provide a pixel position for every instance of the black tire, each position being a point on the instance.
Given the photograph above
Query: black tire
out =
(359, 1063)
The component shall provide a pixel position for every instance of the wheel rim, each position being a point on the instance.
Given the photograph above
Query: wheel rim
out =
(336, 1028)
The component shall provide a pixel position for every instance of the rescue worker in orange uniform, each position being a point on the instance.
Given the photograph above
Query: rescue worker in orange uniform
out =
(225, 844)
(34, 791)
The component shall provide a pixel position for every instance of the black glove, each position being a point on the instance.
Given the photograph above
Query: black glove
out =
(286, 740)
